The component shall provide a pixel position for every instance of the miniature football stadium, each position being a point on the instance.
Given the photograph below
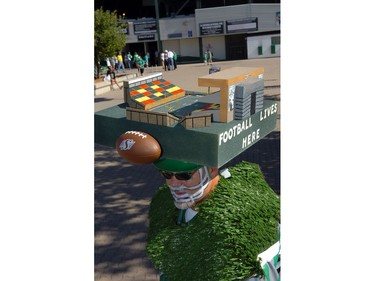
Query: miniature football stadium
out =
(203, 128)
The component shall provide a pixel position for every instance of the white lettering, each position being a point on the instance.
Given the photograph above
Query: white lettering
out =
(248, 123)
(235, 131)
(274, 108)
(268, 111)
(238, 129)
(253, 136)
(225, 136)
(245, 125)
(220, 138)
(230, 133)
(243, 142)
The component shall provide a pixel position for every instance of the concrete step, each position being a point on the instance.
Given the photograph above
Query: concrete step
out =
(104, 87)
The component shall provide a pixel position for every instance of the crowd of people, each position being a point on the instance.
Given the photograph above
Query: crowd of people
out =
(118, 63)
(129, 61)
(167, 59)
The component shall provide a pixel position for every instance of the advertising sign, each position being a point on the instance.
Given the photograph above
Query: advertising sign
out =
(242, 25)
(148, 26)
(143, 37)
(211, 28)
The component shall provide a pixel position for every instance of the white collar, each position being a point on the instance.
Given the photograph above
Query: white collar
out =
(190, 214)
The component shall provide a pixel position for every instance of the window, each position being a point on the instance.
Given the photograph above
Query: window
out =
(275, 40)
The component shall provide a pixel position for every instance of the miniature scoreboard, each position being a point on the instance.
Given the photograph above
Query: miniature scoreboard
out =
(227, 80)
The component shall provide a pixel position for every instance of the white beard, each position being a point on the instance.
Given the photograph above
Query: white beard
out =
(187, 200)
(184, 205)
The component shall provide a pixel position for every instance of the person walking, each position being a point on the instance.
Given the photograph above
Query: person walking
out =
(162, 58)
(174, 59)
(156, 58)
(113, 62)
(205, 55)
(146, 59)
(209, 57)
(116, 63)
(129, 59)
(170, 60)
(141, 63)
(126, 64)
(120, 62)
(112, 74)
(108, 62)
(137, 58)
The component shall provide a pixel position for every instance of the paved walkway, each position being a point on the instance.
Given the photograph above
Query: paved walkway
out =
(123, 191)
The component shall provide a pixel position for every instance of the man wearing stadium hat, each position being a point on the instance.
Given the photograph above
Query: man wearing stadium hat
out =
(206, 224)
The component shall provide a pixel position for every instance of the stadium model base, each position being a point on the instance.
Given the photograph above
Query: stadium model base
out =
(195, 128)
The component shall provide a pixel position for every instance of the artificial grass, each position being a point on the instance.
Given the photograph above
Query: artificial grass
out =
(237, 222)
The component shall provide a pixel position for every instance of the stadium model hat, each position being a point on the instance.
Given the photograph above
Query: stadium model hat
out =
(166, 125)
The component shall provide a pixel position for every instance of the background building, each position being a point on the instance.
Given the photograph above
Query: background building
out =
(231, 29)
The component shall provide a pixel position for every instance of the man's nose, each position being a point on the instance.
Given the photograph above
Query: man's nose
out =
(175, 182)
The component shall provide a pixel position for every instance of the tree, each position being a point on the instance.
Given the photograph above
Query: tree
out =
(108, 36)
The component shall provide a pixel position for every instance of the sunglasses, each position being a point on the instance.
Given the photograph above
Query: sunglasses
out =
(184, 176)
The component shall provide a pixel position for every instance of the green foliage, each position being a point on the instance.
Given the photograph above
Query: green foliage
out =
(108, 39)
(238, 221)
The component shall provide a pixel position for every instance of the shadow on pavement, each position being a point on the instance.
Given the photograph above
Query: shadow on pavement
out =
(266, 153)
(122, 196)
(102, 99)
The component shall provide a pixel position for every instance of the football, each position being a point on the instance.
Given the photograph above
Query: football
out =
(138, 147)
